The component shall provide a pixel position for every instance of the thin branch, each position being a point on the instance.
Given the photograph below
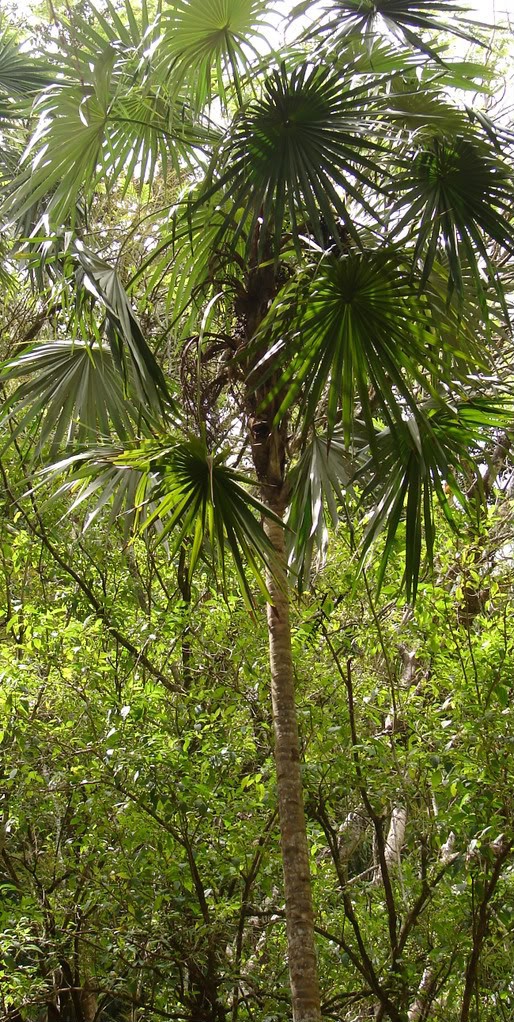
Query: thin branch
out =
(101, 613)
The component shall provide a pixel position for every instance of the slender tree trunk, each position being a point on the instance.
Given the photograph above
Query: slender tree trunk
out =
(269, 451)
(395, 836)
(293, 834)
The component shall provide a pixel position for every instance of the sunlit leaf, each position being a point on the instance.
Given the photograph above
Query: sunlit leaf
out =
(317, 482)
(73, 394)
(207, 42)
(457, 192)
(298, 156)
(404, 18)
(191, 496)
(128, 345)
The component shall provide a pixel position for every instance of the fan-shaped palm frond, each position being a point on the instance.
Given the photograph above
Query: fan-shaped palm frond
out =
(205, 499)
(102, 129)
(206, 43)
(131, 30)
(380, 56)
(352, 328)
(317, 483)
(456, 192)
(78, 392)
(180, 487)
(132, 355)
(20, 74)
(197, 258)
(74, 395)
(405, 18)
(21, 77)
(301, 151)
(422, 460)
(93, 475)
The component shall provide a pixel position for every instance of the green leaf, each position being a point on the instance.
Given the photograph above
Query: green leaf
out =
(317, 482)
(99, 129)
(354, 328)
(206, 42)
(20, 74)
(177, 487)
(126, 339)
(205, 499)
(456, 193)
(74, 395)
(422, 461)
(297, 155)
(403, 18)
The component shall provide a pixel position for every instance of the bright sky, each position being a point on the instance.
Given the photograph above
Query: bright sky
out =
(489, 12)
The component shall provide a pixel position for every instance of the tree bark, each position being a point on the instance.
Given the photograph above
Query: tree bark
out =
(395, 836)
(293, 833)
(418, 1006)
(269, 452)
(479, 932)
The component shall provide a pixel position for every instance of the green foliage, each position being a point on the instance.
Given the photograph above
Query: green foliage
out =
(139, 812)
(460, 192)
(295, 152)
(246, 276)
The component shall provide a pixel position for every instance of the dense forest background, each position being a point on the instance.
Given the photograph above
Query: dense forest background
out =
(141, 864)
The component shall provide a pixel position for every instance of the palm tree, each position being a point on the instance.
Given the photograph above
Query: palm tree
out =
(328, 238)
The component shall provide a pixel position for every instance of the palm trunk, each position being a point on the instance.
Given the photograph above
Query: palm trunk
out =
(269, 452)
(293, 834)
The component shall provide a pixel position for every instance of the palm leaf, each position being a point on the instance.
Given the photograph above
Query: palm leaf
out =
(207, 42)
(457, 193)
(73, 395)
(420, 462)
(300, 152)
(403, 18)
(130, 351)
(317, 483)
(93, 476)
(20, 74)
(78, 391)
(102, 128)
(350, 327)
(205, 499)
(178, 487)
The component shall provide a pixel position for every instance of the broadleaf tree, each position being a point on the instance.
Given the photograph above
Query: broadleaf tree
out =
(326, 226)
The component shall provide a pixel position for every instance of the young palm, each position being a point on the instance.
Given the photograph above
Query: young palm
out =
(331, 255)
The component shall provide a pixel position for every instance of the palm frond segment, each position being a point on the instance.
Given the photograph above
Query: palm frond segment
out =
(179, 488)
(207, 42)
(110, 126)
(207, 501)
(404, 18)
(73, 394)
(20, 74)
(458, 192)
(420, 466)
(318, 482)
(131, 354)
(81, 391)
(299, 154)
(353, 329)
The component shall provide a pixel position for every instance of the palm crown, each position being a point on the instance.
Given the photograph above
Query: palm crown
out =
(378, 201)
